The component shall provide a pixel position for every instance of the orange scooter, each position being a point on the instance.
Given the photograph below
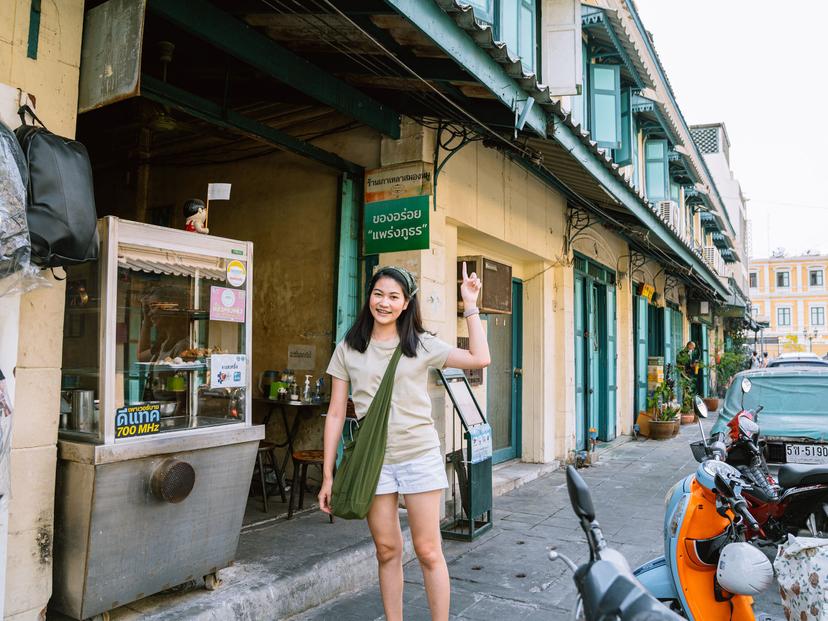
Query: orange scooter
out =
(708, 572)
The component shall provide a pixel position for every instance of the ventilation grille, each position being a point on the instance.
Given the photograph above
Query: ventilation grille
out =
(706, 139)
(475, 376)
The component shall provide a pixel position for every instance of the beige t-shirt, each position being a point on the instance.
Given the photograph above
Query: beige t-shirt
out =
(411, 432)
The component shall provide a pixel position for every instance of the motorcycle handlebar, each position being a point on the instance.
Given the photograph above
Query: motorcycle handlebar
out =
(740, 507)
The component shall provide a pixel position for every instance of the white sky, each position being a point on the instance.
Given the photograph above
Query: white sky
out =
(758, 67)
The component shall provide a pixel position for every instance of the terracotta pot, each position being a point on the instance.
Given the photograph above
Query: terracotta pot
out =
(712, 403)
(676, 426)
(643, 423)
(661, 429)
(687, 418)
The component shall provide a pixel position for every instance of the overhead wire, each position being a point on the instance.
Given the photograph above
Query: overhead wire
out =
(447, 107)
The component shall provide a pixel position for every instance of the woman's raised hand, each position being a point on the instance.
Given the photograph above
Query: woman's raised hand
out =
(470, 288)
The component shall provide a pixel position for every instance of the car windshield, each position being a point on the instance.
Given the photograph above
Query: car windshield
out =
(795, 401)
(808, 362)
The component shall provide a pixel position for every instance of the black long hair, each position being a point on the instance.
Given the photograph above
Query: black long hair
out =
(409, 323)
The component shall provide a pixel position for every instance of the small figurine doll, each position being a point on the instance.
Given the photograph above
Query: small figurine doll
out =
(196, 215)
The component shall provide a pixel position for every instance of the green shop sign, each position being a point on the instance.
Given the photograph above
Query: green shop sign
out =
(397, 225)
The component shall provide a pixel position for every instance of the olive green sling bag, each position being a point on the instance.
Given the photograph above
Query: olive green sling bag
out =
(355, 482)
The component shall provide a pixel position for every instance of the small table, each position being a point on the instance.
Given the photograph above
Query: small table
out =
(297, 408)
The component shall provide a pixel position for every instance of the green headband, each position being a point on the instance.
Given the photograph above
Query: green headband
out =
(408, 278)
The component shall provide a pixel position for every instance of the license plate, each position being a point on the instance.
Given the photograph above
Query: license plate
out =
(807, 453)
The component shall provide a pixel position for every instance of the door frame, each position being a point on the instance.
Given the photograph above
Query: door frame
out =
(593, 274)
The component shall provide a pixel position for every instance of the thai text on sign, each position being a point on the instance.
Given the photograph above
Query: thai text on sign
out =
(399, 181)
(397, 225)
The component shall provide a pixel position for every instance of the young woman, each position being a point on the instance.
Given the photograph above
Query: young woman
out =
(414, 465)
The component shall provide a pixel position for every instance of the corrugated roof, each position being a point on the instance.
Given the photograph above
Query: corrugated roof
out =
(567, 168)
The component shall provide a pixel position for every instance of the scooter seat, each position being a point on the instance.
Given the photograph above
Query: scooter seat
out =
(792, 475)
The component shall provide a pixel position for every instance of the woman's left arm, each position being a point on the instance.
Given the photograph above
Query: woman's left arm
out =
(477, 355)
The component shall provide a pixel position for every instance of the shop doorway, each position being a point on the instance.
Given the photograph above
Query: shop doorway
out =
(698, 334)
(504, 385)
(595, 353)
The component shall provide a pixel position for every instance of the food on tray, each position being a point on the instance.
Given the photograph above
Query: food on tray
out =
(200, 352)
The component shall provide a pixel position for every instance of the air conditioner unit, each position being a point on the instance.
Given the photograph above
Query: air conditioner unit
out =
(496, 291)
(669, 212)
(710, 255)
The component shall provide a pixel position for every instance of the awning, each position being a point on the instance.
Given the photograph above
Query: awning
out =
(171, 263)
(652, 118)
(607, 29)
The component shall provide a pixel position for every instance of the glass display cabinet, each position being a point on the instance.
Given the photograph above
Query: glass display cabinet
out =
(156, 445)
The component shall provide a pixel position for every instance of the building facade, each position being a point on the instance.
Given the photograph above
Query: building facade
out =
(555, 151)
(788, 293)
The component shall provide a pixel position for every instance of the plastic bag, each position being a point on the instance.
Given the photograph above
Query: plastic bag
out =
(17, 273)
(5, 438)
(802, 573)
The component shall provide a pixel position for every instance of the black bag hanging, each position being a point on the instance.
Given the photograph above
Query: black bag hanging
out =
(60, 210)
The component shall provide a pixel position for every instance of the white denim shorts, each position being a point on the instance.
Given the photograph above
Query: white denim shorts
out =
(423, 474)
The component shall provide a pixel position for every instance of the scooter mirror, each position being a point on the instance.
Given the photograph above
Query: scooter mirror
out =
(579, 495)
(699, 406)
(723, 486)
(746, 385)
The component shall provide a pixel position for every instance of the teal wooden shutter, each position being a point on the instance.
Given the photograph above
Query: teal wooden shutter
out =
(605, 105)
(640, 353)
(678, 343)
(655, 170)
(580, 364)
(623, 154)
(705, 358)
(669, 350)
(517, 28)
(608, 424)
(347, 281)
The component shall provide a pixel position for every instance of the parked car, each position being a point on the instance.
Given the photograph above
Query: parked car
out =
(797, 359)
(794, 419)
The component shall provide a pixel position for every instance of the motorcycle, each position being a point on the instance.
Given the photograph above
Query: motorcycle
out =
(607, 590)
(708, 571)
(797, 502)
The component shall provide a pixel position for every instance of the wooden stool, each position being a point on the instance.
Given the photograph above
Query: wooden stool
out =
(268, 450)
(301, 461)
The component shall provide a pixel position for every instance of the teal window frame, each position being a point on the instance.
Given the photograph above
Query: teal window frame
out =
(605, 126)
(783, 316)
(515, 22)
(817, 315)
(656, 171)
(484, 10)
(753, 280)
(521, 35)
(623, 155)
(819, 281)
(783, 279)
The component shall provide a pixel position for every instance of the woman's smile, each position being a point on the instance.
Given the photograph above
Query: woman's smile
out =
(387, 301)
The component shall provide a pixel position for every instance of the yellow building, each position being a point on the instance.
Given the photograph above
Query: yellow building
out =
(789, 293)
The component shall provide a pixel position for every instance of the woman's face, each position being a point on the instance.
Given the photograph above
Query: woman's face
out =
(387, 301)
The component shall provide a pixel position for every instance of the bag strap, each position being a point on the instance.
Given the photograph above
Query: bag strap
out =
(387, 382)
(23, 110)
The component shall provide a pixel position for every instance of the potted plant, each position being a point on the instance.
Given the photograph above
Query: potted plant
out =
(665, 421)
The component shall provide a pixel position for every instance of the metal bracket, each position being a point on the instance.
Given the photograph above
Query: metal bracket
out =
(520, 117)
(637, 261)
(670, 283)
(577, 221)
(451, 138)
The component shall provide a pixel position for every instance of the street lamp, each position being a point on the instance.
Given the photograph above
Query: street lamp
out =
(810, 333)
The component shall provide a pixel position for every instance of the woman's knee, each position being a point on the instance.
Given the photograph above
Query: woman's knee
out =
(429, 554)
(389, 551)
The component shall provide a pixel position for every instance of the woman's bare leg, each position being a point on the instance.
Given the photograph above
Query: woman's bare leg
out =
(424, 520)
(384, 523)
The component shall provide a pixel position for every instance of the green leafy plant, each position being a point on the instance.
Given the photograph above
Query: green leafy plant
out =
(667, 412)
